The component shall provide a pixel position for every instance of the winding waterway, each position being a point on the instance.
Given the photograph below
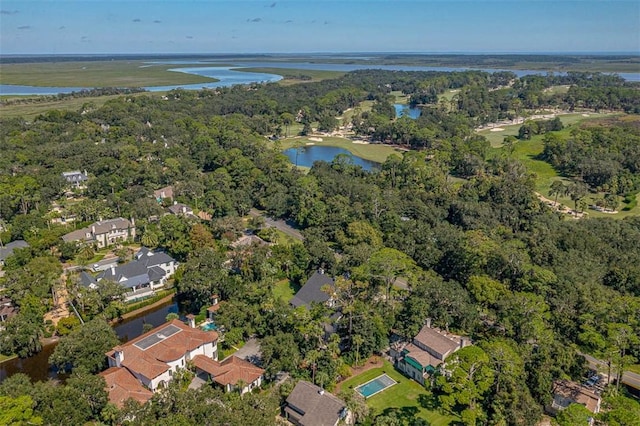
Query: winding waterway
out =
(230, 76)
(37, 366)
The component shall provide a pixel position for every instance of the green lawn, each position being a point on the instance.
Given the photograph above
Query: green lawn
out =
(285, 290)
(411, 398)
(296, 76)
(527, 151)
(372, 152)
(4, 358)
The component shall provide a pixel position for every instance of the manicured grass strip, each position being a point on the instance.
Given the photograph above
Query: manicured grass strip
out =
(372, 152)
(285, 290)
(4, 358)
(409, 397)
(96, 74)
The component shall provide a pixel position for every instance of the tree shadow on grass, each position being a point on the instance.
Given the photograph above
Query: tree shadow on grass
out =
(429, 402)
(405, 415)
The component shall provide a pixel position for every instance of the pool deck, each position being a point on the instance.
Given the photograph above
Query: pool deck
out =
(373, 380)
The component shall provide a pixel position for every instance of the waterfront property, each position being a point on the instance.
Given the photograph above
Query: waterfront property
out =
(149, 271)
(429, 348)
(310, 405)
(375, 386)
(154, 357)
(104, 233)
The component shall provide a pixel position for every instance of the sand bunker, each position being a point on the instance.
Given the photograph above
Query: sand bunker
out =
(309, 143)
(496, 129)
(585, 115)
(360, 142)
(315, 139)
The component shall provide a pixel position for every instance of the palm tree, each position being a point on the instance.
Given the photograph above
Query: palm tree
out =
(149, 239)
(357, 341)
(577, 191)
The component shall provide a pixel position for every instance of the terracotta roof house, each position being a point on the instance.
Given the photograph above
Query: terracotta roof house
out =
(428, 350)
(154, 357)
(162, 193)
(310, 405)
(148, 271)
(104, 233)
(230, 373)
(76, 178)
(8, 249)
(566, 392)
(312, 291)
(122, 385)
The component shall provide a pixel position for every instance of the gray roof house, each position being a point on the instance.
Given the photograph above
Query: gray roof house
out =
(149, 270)
(104, 232)
(162, 193)
(75, 178)
(86, 280)
(429, 348)
(179, 209)
(8, 249)
(310, 405)
(312, 291)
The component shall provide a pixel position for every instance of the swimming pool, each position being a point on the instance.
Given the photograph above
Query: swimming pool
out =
(375, 386)
(210, 326)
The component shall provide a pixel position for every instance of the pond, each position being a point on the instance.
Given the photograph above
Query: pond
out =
(37, 366)
(403, 109)
(307, 155)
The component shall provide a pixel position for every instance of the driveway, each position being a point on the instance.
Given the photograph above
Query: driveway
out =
(280, 225)
(250, 351)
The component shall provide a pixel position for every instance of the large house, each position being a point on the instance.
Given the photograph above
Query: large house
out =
(104, 233)
(148, 271)
(122, 385)
(313, 291)
(566, 393)
(429, 348)
(230, 374)
(154, 357)
(310, 405)
(76, 178)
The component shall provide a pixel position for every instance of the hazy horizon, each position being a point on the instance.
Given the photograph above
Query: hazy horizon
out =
(81, 27)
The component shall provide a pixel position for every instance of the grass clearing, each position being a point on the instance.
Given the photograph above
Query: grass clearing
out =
(4, 358)
(296, 76)
(408, 397)
(371, 152)
(96, 74)
(528, 151)
(285, 290)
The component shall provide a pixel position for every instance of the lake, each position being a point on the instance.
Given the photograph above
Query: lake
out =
(307, 155)
(37, 366)
(403, 109)
(228, 76)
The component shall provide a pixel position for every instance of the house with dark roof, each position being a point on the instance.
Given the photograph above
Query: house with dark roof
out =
(88, 281)
(566, 392)
(7, 249)
(310, 405)
(179, 209)
(104, 232)
(229, 374)
(429, 348)
(148, 271)
(76, 178)
(312, 291)
(7, 309)
(154, 357)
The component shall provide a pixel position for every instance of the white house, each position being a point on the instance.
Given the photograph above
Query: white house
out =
(104, 233)
(157, 355)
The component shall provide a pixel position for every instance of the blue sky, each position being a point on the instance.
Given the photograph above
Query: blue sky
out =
(239, 26)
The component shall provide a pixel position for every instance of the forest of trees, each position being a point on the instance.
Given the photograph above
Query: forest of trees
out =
(482, 255)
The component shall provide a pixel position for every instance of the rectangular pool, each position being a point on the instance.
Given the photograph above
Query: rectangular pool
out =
(375, 386)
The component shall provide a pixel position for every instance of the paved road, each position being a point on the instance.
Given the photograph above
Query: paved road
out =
(280, 225)
(628, 378)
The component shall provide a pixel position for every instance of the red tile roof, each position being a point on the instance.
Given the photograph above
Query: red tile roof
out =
(152, 361)
(122, 385)
(230, 371)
